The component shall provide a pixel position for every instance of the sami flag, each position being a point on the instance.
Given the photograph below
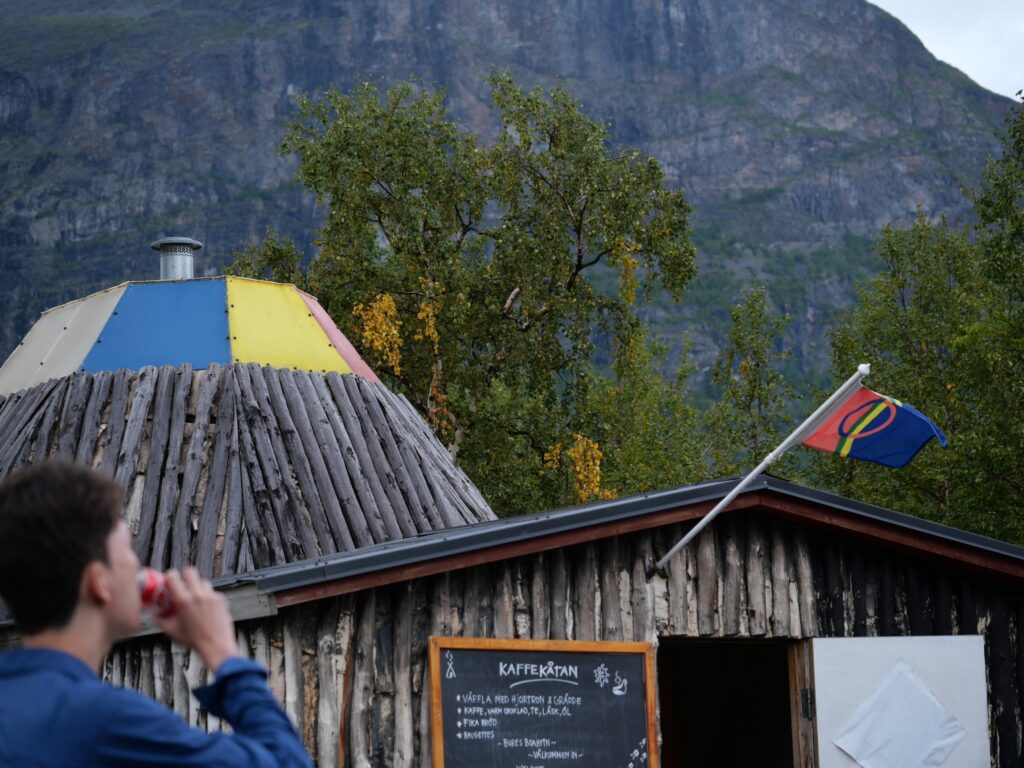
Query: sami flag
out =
(876, 428)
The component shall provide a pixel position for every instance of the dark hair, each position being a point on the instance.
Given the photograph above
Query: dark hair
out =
(55, 518)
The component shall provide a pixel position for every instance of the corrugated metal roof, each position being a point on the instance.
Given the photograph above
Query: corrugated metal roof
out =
(442, 544)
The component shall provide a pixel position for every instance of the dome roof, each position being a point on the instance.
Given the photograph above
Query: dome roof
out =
(240, 467)
(197, 322)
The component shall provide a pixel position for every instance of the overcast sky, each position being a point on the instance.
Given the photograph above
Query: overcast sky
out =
(984, 39)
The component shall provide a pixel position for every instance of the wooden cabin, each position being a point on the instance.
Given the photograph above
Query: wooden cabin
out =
(345, 537)
(344, 632)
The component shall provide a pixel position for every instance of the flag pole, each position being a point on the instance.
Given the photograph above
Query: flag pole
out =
(810, 424)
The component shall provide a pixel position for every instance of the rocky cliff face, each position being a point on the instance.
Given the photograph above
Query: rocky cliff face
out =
(798, 127)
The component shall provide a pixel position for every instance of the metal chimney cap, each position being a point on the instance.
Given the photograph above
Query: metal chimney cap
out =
(164, 242)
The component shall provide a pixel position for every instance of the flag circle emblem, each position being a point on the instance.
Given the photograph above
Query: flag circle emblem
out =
(848, 426)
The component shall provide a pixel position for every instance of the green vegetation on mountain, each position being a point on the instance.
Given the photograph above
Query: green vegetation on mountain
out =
(461, 270)
(943, 325)
(796, 129)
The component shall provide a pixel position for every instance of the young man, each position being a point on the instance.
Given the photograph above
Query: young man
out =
(69, 576)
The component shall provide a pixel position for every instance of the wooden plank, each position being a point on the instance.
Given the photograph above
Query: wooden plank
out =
(289, 466)
(439, 625)
(346, 507)
(456, 604)
(474, 587)
(371, 454)
(521, 598)
(154, 529)
(181, 523)
(858, 627)
(678, 610)
(707, 582)
(195, 674)
(485, 614)
(293, 688)
(307, 461)
(75, 404)
(234, 514)
(780, 581)
(297, 536)
(411, 517)
(47, 425)
(920, 608)
(641, 598)
(432, 509)
(466, 499)
(872, 588)
(584, 559)
(359, 723)
(376, 506)
(12, 409)
(732, 575)
(805, 587)
(162, 675)
(757, 568)
(146, 670)
(659, 585)
(276, 661)
(942, 597)
(834, 592)
(540, 602)
(384, 641)
(142, 397)
(221, 437)
(24, 422)
(503, 601)
(421, 624)
(611, 618)
(404, 755)
(121, 386)
(258, 544)
(85, 451)
(264, 538)
(969, 612)
(1000, 659)
(187, 510)
(563, 619)
(180, 694)
(345, 640)
(887, 600)
(309, 626)
(328, 709)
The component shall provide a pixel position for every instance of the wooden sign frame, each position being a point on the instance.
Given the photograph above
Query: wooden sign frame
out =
(438, 643)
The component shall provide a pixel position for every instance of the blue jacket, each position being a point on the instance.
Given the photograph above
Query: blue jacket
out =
(55, 711)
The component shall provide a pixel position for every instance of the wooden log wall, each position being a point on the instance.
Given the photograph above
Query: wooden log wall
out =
(238, 468)
(352, 671)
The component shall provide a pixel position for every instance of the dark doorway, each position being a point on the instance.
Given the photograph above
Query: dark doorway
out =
(725, 704)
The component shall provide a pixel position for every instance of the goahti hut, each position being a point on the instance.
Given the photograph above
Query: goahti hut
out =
(788, 633)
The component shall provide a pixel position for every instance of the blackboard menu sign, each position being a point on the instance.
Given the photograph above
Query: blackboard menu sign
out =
(542, 704)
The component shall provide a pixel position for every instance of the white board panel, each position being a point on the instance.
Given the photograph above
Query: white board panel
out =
(849, 671)
(59, 341)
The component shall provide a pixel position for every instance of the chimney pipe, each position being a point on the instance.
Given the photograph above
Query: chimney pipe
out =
(176, 257)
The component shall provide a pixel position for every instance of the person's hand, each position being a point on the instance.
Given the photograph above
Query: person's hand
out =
(201, 619)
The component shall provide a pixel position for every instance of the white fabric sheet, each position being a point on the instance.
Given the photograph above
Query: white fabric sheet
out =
(901, 724)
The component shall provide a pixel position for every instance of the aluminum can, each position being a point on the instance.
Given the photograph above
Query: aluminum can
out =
(153, 590)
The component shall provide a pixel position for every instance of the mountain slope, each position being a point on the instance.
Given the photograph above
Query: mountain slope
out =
(798, 128)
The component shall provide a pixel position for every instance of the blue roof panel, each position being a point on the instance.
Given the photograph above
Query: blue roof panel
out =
(165, 323)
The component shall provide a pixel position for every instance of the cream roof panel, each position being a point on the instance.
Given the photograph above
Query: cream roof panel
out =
(59, 341)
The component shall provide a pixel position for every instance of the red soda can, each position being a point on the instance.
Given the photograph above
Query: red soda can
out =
(153, 589)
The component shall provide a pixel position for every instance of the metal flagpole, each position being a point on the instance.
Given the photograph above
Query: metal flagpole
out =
(810, 424)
